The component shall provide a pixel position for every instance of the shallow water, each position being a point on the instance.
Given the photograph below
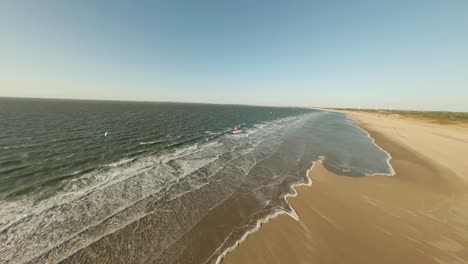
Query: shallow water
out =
(125, 182)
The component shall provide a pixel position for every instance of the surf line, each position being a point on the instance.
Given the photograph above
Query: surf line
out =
(354, 122)
(273, 215)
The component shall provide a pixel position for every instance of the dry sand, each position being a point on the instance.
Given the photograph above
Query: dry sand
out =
(420, 215)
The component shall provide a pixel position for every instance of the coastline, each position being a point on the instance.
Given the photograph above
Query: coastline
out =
(293, 214)
(417, 216)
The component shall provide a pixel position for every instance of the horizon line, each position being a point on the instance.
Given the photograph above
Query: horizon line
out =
(233, 104)
(147, 101)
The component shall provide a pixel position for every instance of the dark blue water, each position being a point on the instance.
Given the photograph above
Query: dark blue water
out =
(126, 182)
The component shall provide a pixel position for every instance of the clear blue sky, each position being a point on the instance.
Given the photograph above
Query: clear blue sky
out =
(400, 54)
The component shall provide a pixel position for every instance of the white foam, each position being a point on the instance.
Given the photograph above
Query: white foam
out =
(269, 217)
(120, 162)
(294, 193)
(24, 216)
(152, 142)
(389, 156)
(213, 133)
(260, 222)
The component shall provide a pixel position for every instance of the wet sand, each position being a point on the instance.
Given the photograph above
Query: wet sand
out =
(420, 215)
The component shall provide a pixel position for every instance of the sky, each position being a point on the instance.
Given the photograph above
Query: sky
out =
(368, 54)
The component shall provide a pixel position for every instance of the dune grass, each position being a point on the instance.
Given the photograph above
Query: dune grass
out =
(441, 117)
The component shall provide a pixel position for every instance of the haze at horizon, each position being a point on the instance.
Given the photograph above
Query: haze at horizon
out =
(403, 54)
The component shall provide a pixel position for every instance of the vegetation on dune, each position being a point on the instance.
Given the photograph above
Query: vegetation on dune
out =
(437, 116)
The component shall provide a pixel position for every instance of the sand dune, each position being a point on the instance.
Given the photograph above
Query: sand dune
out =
(420, 215)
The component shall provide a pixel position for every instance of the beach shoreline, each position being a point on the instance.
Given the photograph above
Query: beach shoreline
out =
(416, 216)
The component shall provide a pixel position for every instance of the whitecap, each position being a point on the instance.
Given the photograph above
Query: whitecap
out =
(152, 142)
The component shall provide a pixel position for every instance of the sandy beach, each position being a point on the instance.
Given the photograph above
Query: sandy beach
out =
(420, 215)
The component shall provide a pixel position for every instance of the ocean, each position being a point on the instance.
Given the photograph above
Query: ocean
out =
(142, 182)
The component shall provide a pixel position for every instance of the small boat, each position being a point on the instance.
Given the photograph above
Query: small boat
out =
(236, 130)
